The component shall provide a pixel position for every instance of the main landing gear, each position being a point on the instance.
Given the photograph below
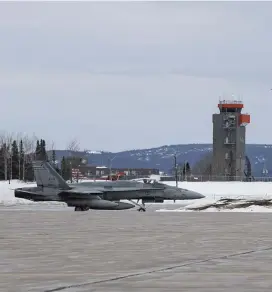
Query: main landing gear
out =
(142, 207)
(82, 208)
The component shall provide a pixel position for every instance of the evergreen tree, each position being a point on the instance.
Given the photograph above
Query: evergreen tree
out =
(65, 169)
(57, 169)
(63, 166)
(53, 157)
(183, 169)
(42, 147)
(186, 169)
(38, 150)
(21, 161)
(53, 161)
(14, 160)
(5, 149)
(2, 163)
(43, 150)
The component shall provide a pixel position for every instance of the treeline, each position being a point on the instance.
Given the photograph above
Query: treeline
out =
(16, 158)
(182, 170)
(15, 163)
(66, 165)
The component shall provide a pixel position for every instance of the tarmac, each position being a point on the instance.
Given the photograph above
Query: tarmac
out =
(49, 250)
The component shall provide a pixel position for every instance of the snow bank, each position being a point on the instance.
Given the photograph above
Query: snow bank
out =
(215, 191)
(218, 190)
(7, 194)
(255, 209)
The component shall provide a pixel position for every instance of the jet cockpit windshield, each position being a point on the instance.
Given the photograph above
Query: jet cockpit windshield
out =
(149, 181)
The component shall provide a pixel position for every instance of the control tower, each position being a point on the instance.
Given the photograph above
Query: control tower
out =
(229, 140)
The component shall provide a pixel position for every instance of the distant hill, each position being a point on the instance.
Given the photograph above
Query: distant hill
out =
(162, 157)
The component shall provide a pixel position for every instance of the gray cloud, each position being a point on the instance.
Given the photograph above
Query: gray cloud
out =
(128, 75)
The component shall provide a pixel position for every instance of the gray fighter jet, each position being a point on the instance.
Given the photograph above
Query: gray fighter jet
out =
(101, 195)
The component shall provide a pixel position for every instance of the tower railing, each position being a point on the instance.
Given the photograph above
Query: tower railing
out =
(229, 101)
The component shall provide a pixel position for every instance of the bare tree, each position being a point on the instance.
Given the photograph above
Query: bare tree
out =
(3, 150)
(51, 146)
(29, 144)
(73, 145)
(6, 141)
(18, 141)
(18, 137)
(9, 140)
(2, 138)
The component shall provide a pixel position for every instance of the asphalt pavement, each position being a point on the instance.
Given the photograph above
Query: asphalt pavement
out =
(44, 250)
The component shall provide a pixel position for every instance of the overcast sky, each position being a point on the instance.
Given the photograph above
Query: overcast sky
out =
(133, 75)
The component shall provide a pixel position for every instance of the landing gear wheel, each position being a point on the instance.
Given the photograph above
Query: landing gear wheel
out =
(82, 208)
(142, 207)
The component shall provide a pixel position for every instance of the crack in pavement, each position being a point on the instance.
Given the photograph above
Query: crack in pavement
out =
(157, 270)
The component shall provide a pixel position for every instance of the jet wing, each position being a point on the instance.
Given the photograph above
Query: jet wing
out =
(81, 194)
(27, 192)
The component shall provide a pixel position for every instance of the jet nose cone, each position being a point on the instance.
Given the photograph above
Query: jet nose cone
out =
(195, 195)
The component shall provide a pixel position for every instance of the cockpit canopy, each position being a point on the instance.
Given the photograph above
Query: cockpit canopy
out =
(149, 181)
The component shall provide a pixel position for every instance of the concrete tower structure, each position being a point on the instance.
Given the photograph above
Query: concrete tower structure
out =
(229, 140)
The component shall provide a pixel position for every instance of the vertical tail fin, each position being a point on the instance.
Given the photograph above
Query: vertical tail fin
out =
(47, 176)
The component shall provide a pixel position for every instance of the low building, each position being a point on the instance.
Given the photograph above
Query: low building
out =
(84, 170)
(136, 171)
(90, 171)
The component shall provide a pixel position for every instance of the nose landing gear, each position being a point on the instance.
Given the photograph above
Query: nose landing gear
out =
(142, 207)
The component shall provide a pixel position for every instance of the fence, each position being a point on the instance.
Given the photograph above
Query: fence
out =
(203, 178)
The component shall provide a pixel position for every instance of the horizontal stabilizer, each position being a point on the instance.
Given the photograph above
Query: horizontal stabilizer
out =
(17, 191)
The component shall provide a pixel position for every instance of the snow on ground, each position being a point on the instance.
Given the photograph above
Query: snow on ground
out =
(216, 191)
(7, 194)
(255, 209)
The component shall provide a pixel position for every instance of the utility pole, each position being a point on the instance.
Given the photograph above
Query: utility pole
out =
(19, 166)
(176, 169)
(71, 172)
(23, 167)
(110, 165)
(10, 168)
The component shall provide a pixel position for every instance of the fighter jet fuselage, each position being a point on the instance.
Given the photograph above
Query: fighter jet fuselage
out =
(103, 195)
